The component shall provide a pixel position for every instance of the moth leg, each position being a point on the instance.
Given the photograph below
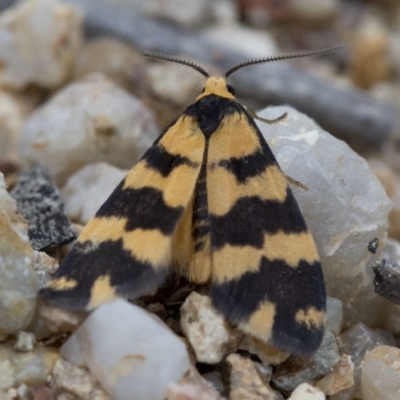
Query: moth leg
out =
(297, 183)
(267, 121)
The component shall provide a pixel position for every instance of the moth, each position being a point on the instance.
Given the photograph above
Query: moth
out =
(208, 200)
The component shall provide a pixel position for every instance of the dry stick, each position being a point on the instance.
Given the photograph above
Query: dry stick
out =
(346, 112)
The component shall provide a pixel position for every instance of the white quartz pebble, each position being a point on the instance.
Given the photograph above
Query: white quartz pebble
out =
(206, 329)
(306, 392)
(87, 189)
(88, 121)
(39, 39)
(380, 376)
(132, 353)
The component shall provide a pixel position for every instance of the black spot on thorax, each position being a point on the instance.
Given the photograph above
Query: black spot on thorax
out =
(210, 111)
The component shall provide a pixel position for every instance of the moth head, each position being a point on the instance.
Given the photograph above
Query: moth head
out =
(217, 86)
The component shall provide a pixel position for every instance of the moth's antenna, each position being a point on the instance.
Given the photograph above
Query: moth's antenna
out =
(289, 56)
(160, 56)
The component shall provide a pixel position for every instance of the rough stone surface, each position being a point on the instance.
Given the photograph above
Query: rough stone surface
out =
(187, 391)
(147, 359)
(25, 342)
(39, 201)
(206, 329)
(295, 371)
(88, 121)
(380, 376)
(88, 189)
(44, 266)
(310, 11)
(390, 318)
(39, 41)
(246, 382)
(72, 379)
(343, 211)
(355, 342)
(307, 392)
(334, 315)
(267, 354)
(59, 319)
(340, 378)
(30, 368)
(18, 283)
(387, 280)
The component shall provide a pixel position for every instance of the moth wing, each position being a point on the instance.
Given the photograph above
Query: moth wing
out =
(266, 277)
(125, 250)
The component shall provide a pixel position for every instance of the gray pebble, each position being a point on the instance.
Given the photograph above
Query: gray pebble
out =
(38, 200)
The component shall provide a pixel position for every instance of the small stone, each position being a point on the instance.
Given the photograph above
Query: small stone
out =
(252, 43)
(369, 63)
(334, 315)
(60, 320)
(99, 394)
(387, 280)
(25, 342)
(295, 370)
(187, 391)
(66, 396)
(309, 11)
(23, 392)
(18, 283)
(206, 329)
(267, 354)
(355, 342)
(40, 40)
(391, 316)
(112, 57)
(88, 121)
(306, 392)
(45, 266)
(189, 13)
(29, 368)
(74, 380)
(87, 189)
(246, 382)
(341, 377)
(343, 211)
(147, 359)
(39, 201)
(380, 376)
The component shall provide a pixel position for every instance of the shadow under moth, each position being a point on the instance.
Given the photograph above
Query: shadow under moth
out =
(207, 200)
